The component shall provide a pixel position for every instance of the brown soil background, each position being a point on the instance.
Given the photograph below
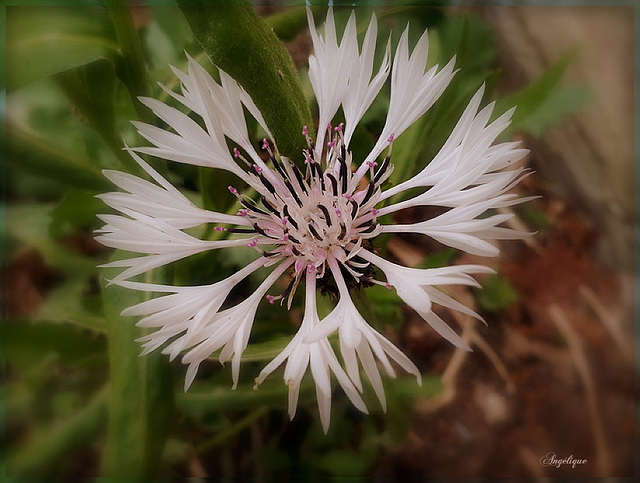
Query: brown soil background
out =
(554, 372)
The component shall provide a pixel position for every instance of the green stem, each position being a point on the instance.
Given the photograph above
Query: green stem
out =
(141, 399)
(223, 436)
(240, 42)
(35, 154)
(132, 69)
(48, 451)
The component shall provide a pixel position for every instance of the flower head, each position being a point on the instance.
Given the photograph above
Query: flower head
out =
(314, 218)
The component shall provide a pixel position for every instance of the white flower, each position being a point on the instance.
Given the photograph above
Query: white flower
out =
(312, 225)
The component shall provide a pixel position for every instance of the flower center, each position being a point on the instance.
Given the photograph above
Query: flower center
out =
(313, 217)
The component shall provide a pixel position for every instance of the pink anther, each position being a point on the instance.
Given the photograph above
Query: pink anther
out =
(391, 138)
(253, 243)
(233, 190)
(257, 168)
(236, 153)
(271, 299)
(219, 228)
(305, 130)
(265, 144)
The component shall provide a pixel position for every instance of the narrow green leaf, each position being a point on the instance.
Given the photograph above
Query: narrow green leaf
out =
(288, 23)
(48, 450)
(26, 341)
(31, 152)
(46, 40)
(265, 351)
(91, 89)
(28, 223)
(141, 395)
(70, 302)
(201, 400)
(497, 293)
(561, 102)
(530, 100)
(239, 42)
(131, 66)
(78, 209)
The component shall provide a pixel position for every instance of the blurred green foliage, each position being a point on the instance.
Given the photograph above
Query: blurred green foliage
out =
(77, 397)
(496, 294)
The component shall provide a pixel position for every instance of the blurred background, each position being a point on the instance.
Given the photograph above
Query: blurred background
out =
(552, 373)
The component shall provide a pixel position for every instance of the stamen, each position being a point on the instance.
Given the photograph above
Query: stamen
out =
(382, 169)
(293, 192)
(354, 209)
(267, 184)
(269, 206)
(343, 173)
(298, 175)
(315, 234)
(251, 207)
(369, 193)
(343, 231)
(370, 229)
(334, 183)
(325, 211)
(285, 210)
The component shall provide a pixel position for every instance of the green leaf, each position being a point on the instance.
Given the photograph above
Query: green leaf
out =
(72, 302)
(265, 351)
(29, 223)
(78, 209)
(46, 40)
(31, 152)
(560, 102)
(131, 67)
(288, 23)
(239, 42)
(47, 450)
(26, 341)
(544, 102)
(205, 398)
(141, 394)
(497, 293)
(91, 89)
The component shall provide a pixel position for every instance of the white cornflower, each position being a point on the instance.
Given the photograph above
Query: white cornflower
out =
(312, 225)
